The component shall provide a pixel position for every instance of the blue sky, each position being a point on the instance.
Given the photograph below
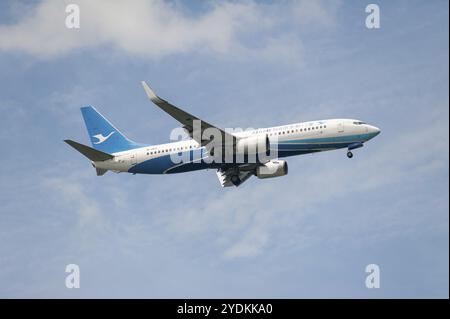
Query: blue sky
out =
(235, 64)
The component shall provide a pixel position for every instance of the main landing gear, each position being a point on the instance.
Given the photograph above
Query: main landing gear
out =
(235, 180)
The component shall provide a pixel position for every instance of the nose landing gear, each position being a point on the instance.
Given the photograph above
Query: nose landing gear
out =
(352, 147)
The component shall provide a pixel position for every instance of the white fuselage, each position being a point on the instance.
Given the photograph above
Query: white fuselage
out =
(292, 139)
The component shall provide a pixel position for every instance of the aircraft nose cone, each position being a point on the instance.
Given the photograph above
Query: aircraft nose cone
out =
(375, 130)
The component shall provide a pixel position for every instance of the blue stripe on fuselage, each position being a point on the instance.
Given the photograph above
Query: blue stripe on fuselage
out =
(334, 139)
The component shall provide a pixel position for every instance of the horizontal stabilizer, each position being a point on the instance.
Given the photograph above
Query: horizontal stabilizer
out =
(89, 152)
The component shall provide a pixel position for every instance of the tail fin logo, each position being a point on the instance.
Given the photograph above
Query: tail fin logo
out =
(102, 138)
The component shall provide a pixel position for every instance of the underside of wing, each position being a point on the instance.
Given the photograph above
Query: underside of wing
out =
(192, 124)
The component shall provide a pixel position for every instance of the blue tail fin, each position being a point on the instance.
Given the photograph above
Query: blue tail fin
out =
(104, 136)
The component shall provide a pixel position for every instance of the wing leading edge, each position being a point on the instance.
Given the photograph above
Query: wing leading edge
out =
(186, 119)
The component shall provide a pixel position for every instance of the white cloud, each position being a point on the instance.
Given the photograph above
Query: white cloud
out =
(72, 193)
(250, 245)
(307, 12)
(154, 29)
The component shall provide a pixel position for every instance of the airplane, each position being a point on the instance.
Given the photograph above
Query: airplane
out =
(112, 151)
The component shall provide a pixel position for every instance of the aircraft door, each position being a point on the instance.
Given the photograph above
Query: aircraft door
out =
(133, 158)
(340, 127)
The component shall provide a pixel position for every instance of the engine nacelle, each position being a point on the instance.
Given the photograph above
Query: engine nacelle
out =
(271, 169)
(252, 145)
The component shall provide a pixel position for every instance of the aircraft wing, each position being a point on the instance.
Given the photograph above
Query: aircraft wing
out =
(186, 119)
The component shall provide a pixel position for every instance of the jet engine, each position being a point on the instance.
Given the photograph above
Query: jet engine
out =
(272, 168)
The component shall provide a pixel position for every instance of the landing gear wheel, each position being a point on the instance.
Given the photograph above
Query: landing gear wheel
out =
(235, 180)
(349, 154)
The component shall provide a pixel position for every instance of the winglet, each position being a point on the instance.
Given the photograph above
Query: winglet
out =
(150, 93)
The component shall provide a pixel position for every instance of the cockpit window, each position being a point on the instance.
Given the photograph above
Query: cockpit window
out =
(359, 123)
